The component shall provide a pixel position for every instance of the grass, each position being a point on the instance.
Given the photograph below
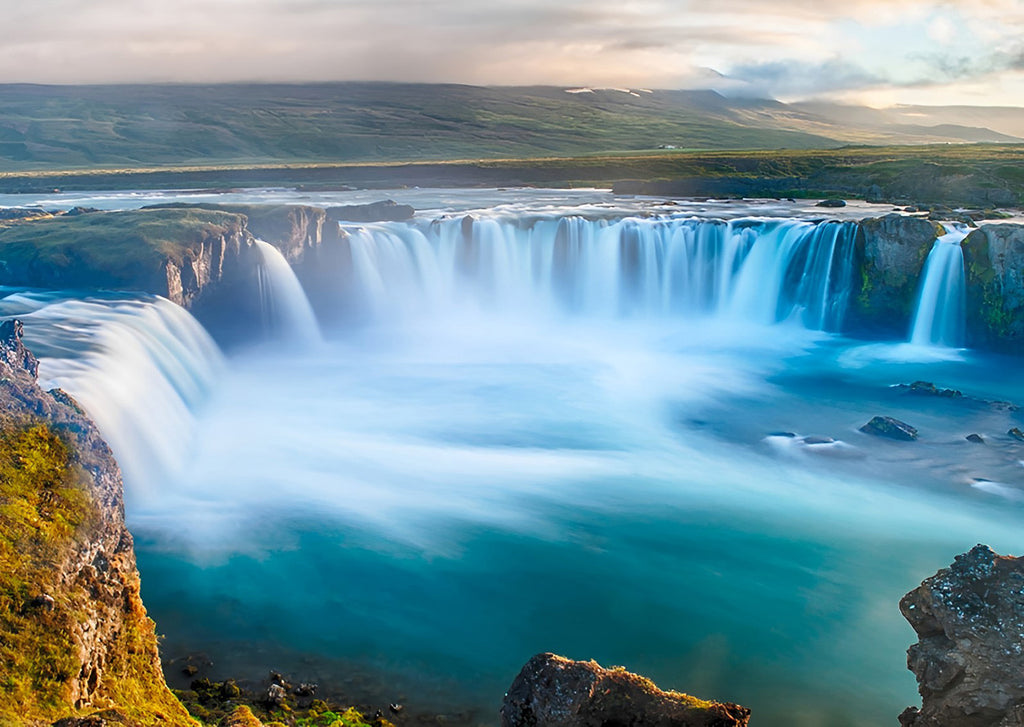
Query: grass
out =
(969, 174)
(106, 249)
(89, 126)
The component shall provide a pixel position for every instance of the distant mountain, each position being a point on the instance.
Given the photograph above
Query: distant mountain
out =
(46, 127)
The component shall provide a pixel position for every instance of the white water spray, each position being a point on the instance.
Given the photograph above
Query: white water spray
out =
(286, 310)
(141, 367)
(939, 318)
(757, 270)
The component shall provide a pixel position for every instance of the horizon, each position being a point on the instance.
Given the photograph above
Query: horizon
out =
(568, 88)
(866, 52)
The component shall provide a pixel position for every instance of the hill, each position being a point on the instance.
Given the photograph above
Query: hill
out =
(76, 127)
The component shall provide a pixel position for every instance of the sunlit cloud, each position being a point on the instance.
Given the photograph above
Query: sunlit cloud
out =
(788, 48)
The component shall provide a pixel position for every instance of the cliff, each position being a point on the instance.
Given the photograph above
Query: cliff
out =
(891, 252)
(76, 636)
(994, 262)
(173, 253)
(969, 660)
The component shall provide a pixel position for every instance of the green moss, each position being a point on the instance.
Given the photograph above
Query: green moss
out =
(45, 511)
(41, 509)
(225, 703)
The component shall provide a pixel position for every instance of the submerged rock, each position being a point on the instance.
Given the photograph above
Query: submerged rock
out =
(1017, 434)
(929, 389)
(890, 428)
(552, 691)
(975, 438)
(969, 660)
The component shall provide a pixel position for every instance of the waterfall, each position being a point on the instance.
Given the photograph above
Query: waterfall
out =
(765, 270)
(140, 366)
(939, 317)
(285, 308)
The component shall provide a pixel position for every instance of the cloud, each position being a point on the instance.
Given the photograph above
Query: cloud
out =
(786, 47)
(803, 78)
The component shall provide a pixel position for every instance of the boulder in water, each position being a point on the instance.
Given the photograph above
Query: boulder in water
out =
(552, 691)
(890, 428)
(1017, 434)
(831, 203)
(930, 389)
(975, 438)
(969, 658)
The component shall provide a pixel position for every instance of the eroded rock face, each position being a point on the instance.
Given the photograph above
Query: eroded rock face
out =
(891, 255)
(96, 596)
(552, 691)
(969, 660)
(994, 262)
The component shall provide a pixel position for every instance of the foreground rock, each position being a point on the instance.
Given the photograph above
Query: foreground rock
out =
(552, 691)
(74, 636)
(969, 661)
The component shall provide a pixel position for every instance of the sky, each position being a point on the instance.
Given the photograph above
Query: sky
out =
(878, 52)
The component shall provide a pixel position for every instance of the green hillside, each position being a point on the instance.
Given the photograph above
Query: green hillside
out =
(126, 126)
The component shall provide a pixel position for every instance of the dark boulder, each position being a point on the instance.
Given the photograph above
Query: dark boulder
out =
(969, 660)
(1017, 434)
(831, 203)
(975, 438)
(552, 691)
(890, 428)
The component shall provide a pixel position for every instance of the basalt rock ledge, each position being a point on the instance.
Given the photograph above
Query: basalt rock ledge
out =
(969, 659)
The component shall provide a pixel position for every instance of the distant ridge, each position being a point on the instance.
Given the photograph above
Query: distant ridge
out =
(64, 127)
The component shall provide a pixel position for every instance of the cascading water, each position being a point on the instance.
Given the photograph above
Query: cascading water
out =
(142, 368)
(755, 269)
(286, 309)
(939, 318)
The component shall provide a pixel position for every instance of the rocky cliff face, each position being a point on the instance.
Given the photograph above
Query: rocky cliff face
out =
(891, 252)
(76, 638)
(969, 661)
(994, 262)
(552, 691)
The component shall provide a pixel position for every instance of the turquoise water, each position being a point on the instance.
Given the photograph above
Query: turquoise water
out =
(429, 506)
(504, 460)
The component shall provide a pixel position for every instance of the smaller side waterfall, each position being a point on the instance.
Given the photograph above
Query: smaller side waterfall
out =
(284, 305)
(939, 318)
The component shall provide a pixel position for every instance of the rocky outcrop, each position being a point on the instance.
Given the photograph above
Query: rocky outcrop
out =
(552, 691)
(176, 253)
(994, 262)
(891, 252)
(969, 660)
(74, 636)
(292, 229)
